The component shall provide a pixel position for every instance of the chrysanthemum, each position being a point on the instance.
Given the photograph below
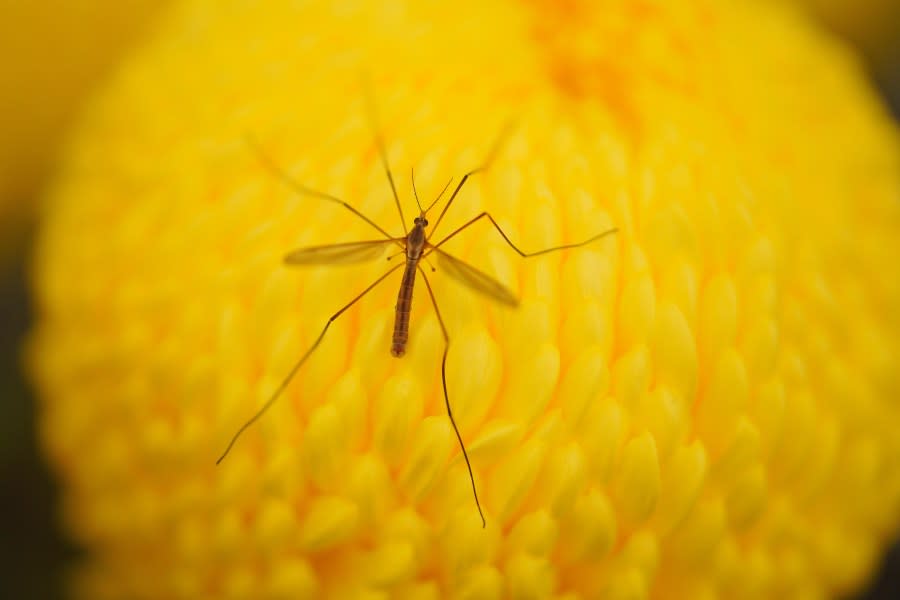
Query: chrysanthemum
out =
(703, 406)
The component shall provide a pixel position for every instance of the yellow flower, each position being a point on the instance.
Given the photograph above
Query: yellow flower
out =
(703, 405)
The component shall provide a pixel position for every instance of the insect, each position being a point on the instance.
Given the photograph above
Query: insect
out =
(416, 245)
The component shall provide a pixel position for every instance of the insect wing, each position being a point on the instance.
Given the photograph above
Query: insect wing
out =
(336, 254)
(475, 279)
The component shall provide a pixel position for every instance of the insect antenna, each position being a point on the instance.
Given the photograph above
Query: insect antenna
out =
(379, 142)
(412, 176)
(430, 206)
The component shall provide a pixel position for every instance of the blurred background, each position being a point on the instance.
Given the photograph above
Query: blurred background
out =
(52, 54)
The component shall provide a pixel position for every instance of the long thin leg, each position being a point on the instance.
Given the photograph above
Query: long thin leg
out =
(298, 187)
(501, 137)
(516, 248)
(382, 153)
(300, 362)
(447, 398)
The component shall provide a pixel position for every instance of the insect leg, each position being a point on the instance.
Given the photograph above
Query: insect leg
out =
(516, 248)
(501, 137)
(447, 398)
(301, 189)
(300, 362)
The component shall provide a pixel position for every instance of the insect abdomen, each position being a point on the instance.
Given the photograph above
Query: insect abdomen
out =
(403, 308)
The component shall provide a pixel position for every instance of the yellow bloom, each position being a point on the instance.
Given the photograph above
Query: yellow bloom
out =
(702, 406)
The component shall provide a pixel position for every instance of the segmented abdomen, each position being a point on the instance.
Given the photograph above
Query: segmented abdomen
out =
(403, 308)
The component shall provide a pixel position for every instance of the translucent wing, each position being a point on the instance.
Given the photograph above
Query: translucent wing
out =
(477, 280)
(345, 253)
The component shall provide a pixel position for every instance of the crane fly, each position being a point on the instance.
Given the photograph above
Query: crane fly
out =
(416, 246)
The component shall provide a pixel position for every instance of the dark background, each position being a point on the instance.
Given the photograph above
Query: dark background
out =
(34, 555)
